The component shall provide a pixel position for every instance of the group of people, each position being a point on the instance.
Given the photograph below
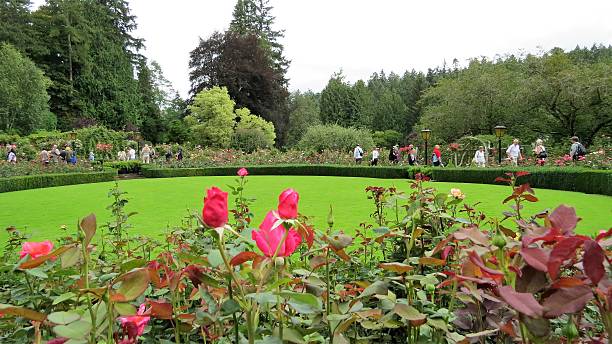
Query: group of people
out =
(513, 154)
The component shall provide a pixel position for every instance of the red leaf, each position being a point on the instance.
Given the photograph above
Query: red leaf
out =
(567, 282)
(568, 300)
(502, 180)
(530, 198)
(522, 173)
(473, 234)
(160, 309)
(593, 261)
(513, 196)
(535, 257)
(475, 258)
(563, 250)
(522, 302)
(242, 257)
(564, 218)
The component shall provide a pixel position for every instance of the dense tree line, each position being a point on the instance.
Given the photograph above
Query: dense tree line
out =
(87, 50)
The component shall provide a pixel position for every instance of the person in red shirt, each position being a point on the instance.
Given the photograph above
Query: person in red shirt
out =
(436, 157)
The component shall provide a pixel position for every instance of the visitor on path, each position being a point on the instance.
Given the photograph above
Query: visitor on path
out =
(479, 157)
(394, 154)
(375, 156)
(514, 152)
(121, 156)
(168, 155)
(55, 154)
(540, 152)
(577, 150)
(12, 156)
(44, 157)
(132, 154)
(70, 156)
(436, 157)
(146, 154)
(63, 155)
(358, 154)
(412, 157)
(179, 155)
(91, 157)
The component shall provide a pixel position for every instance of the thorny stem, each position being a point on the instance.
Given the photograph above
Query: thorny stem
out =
(85, 277)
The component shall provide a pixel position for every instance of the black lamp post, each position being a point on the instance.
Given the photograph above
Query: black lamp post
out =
(425, 135)
(500, 131)
(137, 137)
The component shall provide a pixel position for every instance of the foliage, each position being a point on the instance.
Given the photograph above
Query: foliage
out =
(334, 137)
(387, 138)
(247, 121)
(213, 111)
(303, 113)
(239, 63)
(23, 94)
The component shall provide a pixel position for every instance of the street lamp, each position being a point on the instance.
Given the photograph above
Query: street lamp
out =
(425, 135)
(500, 131)
(137, 137)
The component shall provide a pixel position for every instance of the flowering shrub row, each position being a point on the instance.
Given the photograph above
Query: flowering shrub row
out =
(428, 267)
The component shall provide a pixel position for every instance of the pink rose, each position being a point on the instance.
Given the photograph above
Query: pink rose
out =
(134, 325)
(215, 212)
(287, 204)
(268, 238)
(36, 249)
(243, 172)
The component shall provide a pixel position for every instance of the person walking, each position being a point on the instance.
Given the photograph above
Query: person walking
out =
(412, 157)
(179, 155)
(375, 156)
(540, 152)
(168, 155)
(44, 157)
(55, 154)
(577, 150)
(12, 156)
(479, 157)
(131, 154)
(436, 157)
(121, 156)
(91, 157)
(514, 152)
(358, 154)
(146, 154)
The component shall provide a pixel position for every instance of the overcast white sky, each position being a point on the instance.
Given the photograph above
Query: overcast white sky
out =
(365, 36)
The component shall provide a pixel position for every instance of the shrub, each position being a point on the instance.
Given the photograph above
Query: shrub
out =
(50, 180)
(334, 137)
(125, 167)
(250, 140)
(387, 138)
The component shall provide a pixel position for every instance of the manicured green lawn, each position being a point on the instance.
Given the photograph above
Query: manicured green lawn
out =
(164, 202)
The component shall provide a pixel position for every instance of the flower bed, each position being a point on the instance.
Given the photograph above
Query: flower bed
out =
(424, 267)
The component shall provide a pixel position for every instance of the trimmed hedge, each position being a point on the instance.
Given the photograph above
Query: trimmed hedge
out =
(557, 178)
(125, 167)
(563, 178)
(50, 180)
(386, 172)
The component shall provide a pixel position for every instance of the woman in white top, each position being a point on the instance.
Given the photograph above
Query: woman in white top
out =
(479, 157)
(514, 152)
(12, 157)
(540, 152)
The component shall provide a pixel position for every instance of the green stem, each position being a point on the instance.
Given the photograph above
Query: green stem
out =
(110, 317)
(231, 296)
(279, 308)
(85, 277)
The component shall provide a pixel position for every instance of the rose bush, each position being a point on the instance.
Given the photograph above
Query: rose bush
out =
(426, 267)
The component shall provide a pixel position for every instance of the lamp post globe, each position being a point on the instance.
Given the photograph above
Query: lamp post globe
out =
(500, 131)
(426, 135)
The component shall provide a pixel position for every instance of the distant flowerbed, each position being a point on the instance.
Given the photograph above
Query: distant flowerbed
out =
(35, 168)
(423, 267)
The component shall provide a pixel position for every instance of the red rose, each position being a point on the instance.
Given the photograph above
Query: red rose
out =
(214, 213)
(287, 204)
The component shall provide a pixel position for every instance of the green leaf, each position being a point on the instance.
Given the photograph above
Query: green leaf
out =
(71, 257)
(63, 318)
(63, 297)
(263, 298)
(438, 323)
(124, 308)
(303, 303)
(214, 258)
(133, 264)
(408, 312)
(37, 272)
(133, 284)
(230, 307)
(378, 287)
(75, 330)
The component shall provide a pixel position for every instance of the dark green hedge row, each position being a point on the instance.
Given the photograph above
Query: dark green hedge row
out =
(565, 178)
(125, 167)
(291, 170)
(562, 178)
(50, 180)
